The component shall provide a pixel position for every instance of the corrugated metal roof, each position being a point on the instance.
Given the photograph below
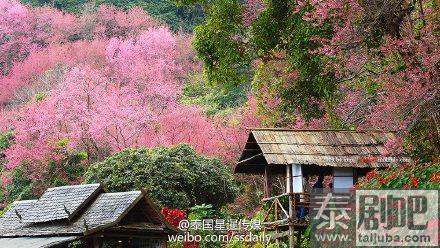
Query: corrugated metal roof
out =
(337, 148)
(61, 203)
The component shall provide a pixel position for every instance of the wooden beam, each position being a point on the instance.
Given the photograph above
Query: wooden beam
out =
(274, 197)
(280, 235)
(282, 208)
(278, 222)
(250, 158)
(267, 182)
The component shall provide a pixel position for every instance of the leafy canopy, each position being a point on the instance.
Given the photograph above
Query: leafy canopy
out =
(177, 17)
(176, 177)
(229, 43)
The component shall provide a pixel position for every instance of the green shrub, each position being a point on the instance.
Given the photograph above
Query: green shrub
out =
(175, 177)
(5, 142)
(422, 176)
(20, 187)
(215, 100)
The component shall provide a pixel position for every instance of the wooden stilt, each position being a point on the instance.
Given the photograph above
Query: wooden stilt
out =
(276, 218)
(96, 243)
(291, 227)
(289, 183)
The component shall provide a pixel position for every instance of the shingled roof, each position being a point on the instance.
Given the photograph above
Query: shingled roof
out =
(336, 148)
(61, 203)
(94, 212)
(11, 219)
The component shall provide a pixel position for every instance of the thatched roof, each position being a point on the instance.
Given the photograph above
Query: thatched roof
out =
(101, 212)
(336, 148)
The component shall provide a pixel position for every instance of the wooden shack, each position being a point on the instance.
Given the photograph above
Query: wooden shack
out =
(88, 214)
(296, 156)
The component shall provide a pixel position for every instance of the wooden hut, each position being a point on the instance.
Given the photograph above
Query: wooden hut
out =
(87, 213)
(296, 155)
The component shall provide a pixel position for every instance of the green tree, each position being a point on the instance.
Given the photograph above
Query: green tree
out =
(215, 100)
(5, 142)
(176, 16)
(278, 37)
(74, 6)
(175, 177)
(21, 185)
(218, 43)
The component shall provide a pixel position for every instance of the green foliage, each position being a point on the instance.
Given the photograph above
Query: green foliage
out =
(419, 176)
(20, 187)
(266, 31)
(200, 212)
(314, 80)
(423, 142)
(178, 17)
(267, 85)
(5, 141)
(218, 43)
(74, 6)
(176, 177)
(278, 35)
(305, 238)
(40, 96)
(68, 169)
(213, 99)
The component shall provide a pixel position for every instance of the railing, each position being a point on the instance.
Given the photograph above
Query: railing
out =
(287, 209)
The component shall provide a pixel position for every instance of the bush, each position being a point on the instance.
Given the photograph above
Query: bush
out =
(20, 188)
(5, 142)
(175, 177)
(419, 176)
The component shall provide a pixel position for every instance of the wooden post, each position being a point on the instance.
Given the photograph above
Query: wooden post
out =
(288, 179)
(277, 241)
(289, 183)
(267, 182)
(96, 243)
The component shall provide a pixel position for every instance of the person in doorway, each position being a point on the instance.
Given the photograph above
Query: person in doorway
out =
(319, 183)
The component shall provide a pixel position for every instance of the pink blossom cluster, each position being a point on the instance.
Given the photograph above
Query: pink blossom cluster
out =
(103, 81)
(390, 87)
